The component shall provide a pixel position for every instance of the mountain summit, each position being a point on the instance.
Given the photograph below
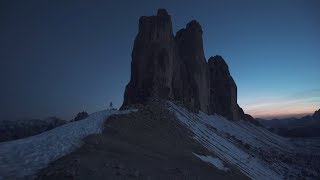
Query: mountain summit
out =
(159, 137)
(171, 67)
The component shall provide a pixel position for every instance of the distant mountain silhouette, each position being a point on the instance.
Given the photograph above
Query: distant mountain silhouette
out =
(171, 67)
(12, 130)
(307, 126)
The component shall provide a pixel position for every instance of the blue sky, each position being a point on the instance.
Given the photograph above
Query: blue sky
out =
(62, 57)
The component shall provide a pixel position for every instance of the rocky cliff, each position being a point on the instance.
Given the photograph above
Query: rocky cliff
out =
(171, 67)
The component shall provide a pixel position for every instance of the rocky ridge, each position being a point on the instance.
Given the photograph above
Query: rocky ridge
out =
(148, 144)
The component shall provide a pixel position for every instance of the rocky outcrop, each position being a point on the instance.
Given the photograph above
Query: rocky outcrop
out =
(316, 115)
(81, 115)
(171, 67)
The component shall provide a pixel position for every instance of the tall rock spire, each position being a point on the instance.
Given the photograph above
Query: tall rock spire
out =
(171, 67)
(223, 89)
(191, 54)
(153, 60)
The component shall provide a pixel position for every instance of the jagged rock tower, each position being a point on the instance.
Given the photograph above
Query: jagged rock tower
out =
(171, 67)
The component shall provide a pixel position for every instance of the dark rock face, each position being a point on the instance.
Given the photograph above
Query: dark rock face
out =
(223, 89)
(171, 67)
(153, 60)
(194, 66)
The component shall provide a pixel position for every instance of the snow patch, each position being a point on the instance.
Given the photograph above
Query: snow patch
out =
(214, 161)
(24, 157)
(255, 151)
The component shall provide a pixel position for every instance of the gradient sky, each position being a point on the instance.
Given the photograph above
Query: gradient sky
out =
(62, 57)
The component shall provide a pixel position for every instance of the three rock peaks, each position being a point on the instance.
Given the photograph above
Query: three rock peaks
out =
(171, 67)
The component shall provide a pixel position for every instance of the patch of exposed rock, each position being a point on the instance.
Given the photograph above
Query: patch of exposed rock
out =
(81, 115)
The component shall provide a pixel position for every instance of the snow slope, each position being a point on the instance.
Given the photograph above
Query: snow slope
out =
(23, 157)
(256, 152)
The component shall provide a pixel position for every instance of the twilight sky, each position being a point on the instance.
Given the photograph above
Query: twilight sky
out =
(62, 57)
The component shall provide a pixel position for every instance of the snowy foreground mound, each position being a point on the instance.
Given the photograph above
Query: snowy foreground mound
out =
(255, 151)
(23, 157)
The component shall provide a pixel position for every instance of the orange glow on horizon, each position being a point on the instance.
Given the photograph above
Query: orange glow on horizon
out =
(270, 115)
(281, 107)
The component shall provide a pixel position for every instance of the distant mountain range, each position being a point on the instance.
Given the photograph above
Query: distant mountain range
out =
(307, 126)
(17, 129)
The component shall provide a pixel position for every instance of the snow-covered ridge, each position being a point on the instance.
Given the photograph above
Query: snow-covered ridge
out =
(255, 151)
(23, 157)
